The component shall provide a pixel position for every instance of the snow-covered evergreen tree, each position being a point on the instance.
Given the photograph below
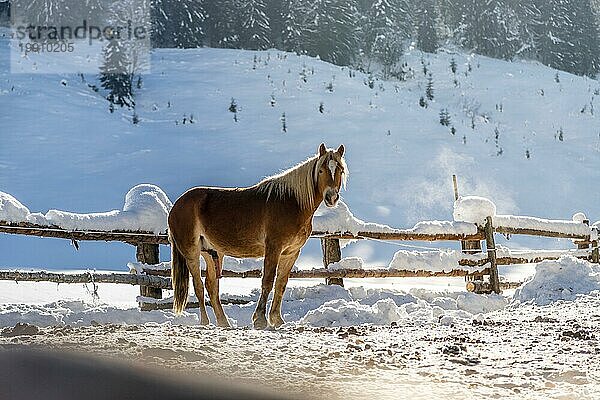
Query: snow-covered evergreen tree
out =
(486, 27)
(384, 27)
(426, 20)
(565, 34)
(276, 11)
(177, 23)
(114, 75)
(324, 28)
(255, 30)
(222, 24)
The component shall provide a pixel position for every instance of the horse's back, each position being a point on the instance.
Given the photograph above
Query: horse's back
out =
(231, 219)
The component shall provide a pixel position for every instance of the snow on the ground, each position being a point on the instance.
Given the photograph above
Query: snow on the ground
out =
(146, 209)
(322, 305)
(78, 313)
(540, 343)
(527, 352)
(564, 279)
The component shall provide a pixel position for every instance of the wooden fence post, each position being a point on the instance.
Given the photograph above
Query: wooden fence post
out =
(468, 246)
(148, 253)
(584, 245)
(490, 245)
(331, 253)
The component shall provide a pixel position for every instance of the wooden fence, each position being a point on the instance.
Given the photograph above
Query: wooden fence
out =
(153, 281)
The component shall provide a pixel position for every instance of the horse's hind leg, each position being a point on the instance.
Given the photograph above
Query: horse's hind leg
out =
(212, 284)
(193, 263)
(283, 273)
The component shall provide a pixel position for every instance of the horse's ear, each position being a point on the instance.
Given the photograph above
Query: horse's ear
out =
(340, 150)
(322, 150)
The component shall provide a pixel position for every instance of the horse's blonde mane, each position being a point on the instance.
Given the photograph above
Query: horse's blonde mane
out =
(299, 181)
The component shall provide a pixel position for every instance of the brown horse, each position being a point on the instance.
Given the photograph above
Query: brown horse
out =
(272, 219)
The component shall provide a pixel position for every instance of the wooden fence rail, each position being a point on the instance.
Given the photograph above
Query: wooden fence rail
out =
(86, 277)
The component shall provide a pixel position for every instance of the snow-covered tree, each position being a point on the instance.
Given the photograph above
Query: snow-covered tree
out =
(222, 24)
(324, 28)
(276, 11)
(384, 27)
(426, 20)
(255, 31)
(488, 27)
(114, 75)
(136, 12)
(178, 23)
(565, 34)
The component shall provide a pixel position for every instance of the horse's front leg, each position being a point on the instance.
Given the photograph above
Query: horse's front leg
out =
(283, 273)
(272, 254)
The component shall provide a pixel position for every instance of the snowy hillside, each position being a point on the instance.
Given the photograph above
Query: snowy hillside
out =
(526, 141)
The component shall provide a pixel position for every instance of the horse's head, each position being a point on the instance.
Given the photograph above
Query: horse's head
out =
(330, 174)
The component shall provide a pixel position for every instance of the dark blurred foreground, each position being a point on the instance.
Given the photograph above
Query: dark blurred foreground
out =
(27, 374)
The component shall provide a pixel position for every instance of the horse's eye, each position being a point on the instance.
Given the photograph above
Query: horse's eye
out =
(320, 171)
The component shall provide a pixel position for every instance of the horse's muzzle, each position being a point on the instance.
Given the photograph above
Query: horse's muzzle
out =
(331, 197)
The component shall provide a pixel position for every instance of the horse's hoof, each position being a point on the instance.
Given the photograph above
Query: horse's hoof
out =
(276, 322)
(223, 324)
(204, 322)
(260, 323)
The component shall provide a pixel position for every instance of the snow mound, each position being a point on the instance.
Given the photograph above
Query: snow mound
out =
(433, 261)
(81, 313)
(343, 313)
(340, 219)
(146, 209)
(11, 210)
(358, 305)
(563, 279)
(473, 209)
(579, 217)
(470, 302)
(346, 263)
(372, 295)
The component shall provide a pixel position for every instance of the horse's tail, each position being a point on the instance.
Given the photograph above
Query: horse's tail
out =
(180, 278)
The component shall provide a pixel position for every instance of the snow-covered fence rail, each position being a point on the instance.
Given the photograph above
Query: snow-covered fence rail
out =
(135, 238)
(52, 231)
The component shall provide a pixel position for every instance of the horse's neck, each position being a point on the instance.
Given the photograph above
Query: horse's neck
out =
(317, 200)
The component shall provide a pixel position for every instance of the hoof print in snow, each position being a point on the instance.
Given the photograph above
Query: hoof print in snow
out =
(453, 349)
(548, 320)
(465, 361)
(581, 334)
